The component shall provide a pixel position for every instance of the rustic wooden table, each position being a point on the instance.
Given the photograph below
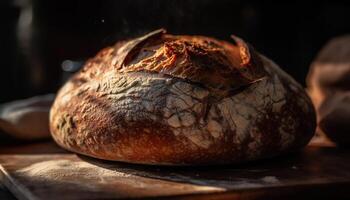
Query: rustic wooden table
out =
(44, 171)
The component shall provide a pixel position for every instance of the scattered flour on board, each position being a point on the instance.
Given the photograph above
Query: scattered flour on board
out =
(66, 171)
(270, 179)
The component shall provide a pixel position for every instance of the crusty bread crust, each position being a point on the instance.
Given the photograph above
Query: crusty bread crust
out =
(151, 108)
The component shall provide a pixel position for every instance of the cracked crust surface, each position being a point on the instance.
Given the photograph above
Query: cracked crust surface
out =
(127, 105)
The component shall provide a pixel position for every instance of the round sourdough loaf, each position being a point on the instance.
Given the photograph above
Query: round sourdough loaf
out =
(181, 100)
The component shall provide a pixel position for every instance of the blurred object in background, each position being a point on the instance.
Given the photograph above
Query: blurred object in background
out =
(335, 117)
(8, 78)
(26, 119)
(38, 36)
(329, 87)
(69, 67)
(30, 49)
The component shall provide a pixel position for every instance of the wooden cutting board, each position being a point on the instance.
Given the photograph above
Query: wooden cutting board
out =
(44, 171)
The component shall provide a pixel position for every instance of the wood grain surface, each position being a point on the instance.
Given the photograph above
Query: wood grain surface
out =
(44, 171)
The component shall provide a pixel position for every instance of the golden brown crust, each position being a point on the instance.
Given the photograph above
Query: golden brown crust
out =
(152, 108)
(212, 63)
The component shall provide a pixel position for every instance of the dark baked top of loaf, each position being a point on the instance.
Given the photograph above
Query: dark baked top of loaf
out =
(210, 62)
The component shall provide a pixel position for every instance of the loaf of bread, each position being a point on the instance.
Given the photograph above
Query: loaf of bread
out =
(181, 100)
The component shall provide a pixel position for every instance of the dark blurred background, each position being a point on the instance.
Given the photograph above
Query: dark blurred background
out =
(40, 38)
